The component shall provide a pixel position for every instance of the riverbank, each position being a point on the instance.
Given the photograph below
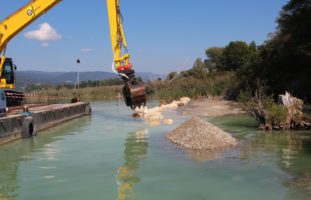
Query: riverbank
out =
(208, 107)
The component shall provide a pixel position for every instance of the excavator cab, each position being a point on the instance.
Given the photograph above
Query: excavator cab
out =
(9, 95)
(8, 69)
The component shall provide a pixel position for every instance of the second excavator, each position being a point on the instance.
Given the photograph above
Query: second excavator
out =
(134, 90)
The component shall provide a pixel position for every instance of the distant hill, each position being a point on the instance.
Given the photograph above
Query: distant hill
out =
(23, 78)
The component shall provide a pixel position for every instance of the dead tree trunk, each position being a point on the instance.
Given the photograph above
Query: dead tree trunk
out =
(295, 118)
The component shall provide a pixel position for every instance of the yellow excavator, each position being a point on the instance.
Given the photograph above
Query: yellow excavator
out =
(134, 91)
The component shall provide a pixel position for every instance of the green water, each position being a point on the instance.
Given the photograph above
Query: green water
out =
(113, 156)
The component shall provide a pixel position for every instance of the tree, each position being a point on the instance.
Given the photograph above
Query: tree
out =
(285, 59)
(171, 75)
(294, 27)
(198, 70)
(236, 55)
(215, 57)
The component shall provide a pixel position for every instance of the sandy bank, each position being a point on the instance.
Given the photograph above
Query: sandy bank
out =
(212, 108)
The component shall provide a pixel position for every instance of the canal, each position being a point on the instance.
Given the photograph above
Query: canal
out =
(114, 156)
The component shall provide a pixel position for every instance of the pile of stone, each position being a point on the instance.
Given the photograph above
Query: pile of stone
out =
(197, 134)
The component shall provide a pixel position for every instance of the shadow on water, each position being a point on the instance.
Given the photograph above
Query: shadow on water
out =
(136, 149)
(22, 150)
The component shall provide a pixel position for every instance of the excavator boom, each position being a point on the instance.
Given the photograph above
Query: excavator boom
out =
(17, 22)
(134, 90)
(9, 28)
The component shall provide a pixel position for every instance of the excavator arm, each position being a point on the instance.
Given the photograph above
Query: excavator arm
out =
(118, 40)
(17, 22)
(134, 90)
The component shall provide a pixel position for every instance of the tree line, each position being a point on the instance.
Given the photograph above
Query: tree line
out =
(283, 61)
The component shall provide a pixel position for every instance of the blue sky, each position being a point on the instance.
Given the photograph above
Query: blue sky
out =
(163, 35)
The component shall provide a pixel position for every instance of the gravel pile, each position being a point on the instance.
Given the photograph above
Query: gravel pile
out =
(197, 134)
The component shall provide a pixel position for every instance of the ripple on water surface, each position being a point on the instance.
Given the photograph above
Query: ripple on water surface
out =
(113, 156)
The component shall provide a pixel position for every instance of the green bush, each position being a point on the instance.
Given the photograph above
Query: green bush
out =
(262, 106)
(277, 114)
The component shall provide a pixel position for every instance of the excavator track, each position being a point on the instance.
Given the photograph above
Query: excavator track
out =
(14, 98)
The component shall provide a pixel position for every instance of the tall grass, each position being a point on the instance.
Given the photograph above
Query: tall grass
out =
(216, 85)
(60, 95)
(213, 85)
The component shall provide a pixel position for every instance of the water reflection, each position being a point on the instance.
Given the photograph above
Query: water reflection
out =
(11, 155)
(302, 182)
(279, 163)
(203, 155)
(290, 150)
(136, 149)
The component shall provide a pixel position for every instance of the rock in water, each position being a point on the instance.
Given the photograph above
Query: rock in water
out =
(154, 115)
(168, 121)
(197, 134)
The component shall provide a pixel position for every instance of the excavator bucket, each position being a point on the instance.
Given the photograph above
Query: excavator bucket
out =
(134, 93)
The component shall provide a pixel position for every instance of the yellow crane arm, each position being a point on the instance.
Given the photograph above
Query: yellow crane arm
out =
(118, 41)
(19, 20)
(134, 90)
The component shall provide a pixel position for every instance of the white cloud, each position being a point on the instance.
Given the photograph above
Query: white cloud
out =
(45, 45)
(86, 50)
(44, 34)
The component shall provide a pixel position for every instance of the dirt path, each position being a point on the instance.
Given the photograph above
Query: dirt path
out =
(212, 108)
